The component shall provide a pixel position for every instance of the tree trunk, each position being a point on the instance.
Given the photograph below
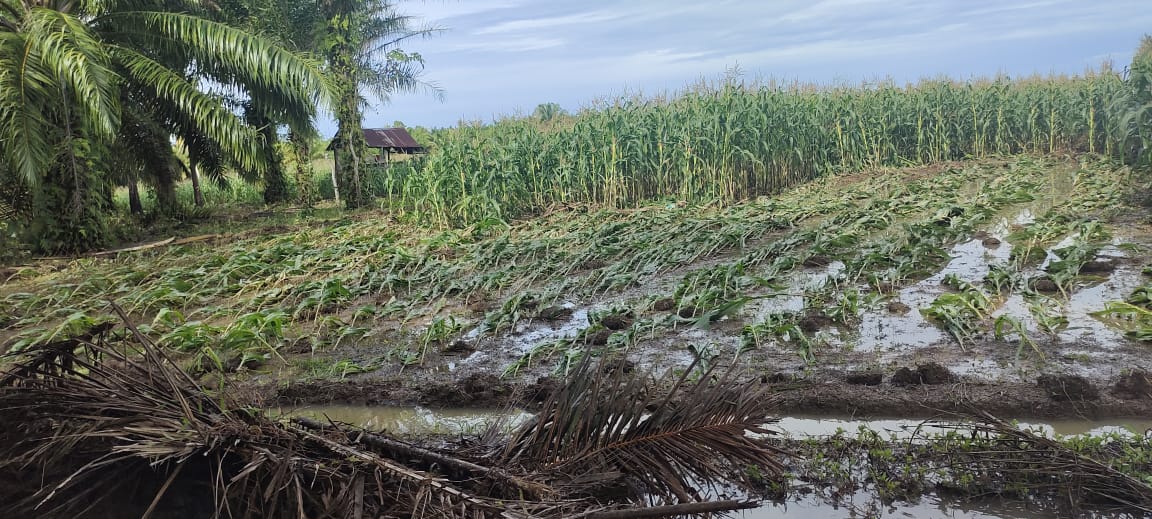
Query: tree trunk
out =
(134, 205)
(302, 153)
(275, 185)
(350, 133)
(194, 174)
(71, 216)
(166, 190)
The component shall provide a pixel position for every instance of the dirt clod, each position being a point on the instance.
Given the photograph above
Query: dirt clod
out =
(1098, 266)
(483, 387)
(688, 312)
(594, 264)
(1043, 284)
(814, 321)
(299, 346)
(777, 378)
(905, 377)
(1133, 385)
(555, 313)
(864, 378)
(599, 337)
(817, 260)
(459, 346)
(896, 307)
(931, 373)
(664, 305)
(1068, 388)
(623, 365)
(615, 322)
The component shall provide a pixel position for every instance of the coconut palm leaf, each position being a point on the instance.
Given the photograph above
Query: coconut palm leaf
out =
(605, 425)
(383, 68)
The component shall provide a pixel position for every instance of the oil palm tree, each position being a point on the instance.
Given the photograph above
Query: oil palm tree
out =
(81, 78)
(360, 40)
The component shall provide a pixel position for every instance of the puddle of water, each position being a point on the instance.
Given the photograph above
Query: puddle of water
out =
(410, 421)
(1092, 299)
(527, 335)
(902, 429)
(880, 330)
(798, 282)
(930, 506)
(423, 421)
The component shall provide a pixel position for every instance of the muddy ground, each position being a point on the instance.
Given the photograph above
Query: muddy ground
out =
(859, 342)
(891, 361)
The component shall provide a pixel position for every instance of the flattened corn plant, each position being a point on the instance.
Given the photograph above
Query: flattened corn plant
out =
(349, 279)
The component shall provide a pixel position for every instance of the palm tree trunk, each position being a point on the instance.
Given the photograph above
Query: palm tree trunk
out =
(134, 205)
(166, 190)
(275, 185)
(302, 154)
(194, 174)
(350, 133)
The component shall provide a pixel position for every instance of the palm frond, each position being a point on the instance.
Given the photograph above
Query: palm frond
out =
(51, 65)
(604, 424)
(185, 101)
(253, 61)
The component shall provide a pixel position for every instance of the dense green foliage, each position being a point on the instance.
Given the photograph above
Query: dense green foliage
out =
(733, 141)
(1135, 107)
(92, 92)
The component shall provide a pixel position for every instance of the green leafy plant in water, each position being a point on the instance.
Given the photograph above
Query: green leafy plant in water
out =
(1135, 319)
(780, 325)
(1004, 277)
(847, 306)
(438, 332)
(960, 312)
(1006, 326)
(1047, 314)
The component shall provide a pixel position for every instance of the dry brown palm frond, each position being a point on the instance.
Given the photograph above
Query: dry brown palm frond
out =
(603, 425)
(110, 434)
(116, 429)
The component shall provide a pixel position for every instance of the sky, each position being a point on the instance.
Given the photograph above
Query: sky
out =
(498, 58)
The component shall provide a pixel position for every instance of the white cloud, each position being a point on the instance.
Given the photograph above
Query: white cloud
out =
(525, 44)
(438, 11)
(549, 22)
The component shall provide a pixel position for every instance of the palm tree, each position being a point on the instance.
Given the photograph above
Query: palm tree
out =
(80, 79)
(360, 41)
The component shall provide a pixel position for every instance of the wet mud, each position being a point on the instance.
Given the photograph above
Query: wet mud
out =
(890, 360)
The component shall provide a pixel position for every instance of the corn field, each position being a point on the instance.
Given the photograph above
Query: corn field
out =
(729, 141)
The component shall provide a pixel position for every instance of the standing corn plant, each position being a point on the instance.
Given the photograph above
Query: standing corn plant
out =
(1135, 108)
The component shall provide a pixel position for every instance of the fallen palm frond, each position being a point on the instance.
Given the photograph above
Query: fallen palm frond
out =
(607, 430)
(105, 425)
(1012, 456)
